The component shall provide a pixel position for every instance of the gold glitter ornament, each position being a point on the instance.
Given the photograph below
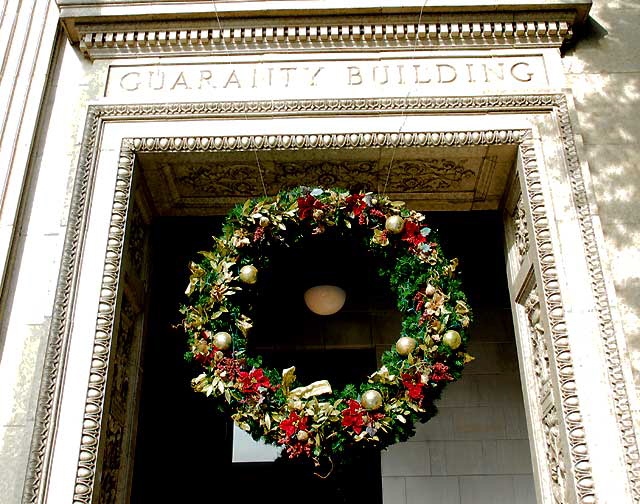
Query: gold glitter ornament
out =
(371, 400)
(452, 339)
(302, 436)
(406, 345)
(430, 290)
(394, 224)
(249, 274)
(222, 340)
(264, 221)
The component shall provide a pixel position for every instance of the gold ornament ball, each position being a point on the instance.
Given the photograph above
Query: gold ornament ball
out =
(394, 224)
(249, 274)
(452, 339)
(406, 345)
(222, 340)
(302, 436)
(430, 290)
(371, 400)
(264, 221)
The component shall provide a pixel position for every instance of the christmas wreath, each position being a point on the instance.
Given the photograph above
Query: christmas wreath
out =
(316, 421)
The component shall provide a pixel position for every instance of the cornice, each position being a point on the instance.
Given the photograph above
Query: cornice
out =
(113, 41)
(112, 30)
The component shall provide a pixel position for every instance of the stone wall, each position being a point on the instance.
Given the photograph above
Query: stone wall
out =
(603, 71)
(476, 451)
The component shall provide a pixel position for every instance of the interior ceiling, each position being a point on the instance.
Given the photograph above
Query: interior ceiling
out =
(434, 178)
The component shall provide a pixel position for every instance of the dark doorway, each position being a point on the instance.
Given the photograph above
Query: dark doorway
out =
(183, 446)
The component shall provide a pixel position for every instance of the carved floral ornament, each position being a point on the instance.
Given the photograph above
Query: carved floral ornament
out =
(568, 408)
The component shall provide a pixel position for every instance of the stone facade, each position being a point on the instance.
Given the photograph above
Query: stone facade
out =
(527, 109)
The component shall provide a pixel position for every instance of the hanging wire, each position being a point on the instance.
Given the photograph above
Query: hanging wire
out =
(246, 117)
(404, 111)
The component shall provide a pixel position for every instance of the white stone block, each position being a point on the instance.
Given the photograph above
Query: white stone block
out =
(438, 457)
(432, 490)
(470, 457)
(514, 456)
(393, 490)
(406, 459)
(525, 492)
(487, 490)
(438, 428)
(515, 422)
(478, 423)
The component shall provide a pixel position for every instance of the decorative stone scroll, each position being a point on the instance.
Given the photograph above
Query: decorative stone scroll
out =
(565, 416)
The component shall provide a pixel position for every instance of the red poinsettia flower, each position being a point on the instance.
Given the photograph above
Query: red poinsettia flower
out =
(353, 416)
(440, 372)
(307, 205)
(292, 424)
(356, 204)
(414, 387)
(412, 233)
(252, 381)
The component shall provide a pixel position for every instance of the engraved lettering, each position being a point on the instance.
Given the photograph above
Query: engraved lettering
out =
(469, 68)
(498, 74)
(287, 72)
(270, 76)
(400, 76)
(159, 80)
(180, 81)
(205, 79)
(130, 81)
(355, 79)
(418, 81)
(315, 76)
(386, 74)
(519, 77)
(233, 79)
(255, 71)
(442, 76)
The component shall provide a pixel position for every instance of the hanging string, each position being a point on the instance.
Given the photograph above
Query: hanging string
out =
(404, 111)
(246, 117)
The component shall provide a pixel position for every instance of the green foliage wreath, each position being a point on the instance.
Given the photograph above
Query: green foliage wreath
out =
(316, 421)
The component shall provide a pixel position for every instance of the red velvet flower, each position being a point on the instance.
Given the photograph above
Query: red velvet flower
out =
(307, 205)
(414, 387)
(353, 415)
(291, 425)
(412, 233)
(356, 204)
(440, 372)
(253, 380)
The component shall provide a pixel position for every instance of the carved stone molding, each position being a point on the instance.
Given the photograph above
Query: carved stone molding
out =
(618, 389)
(327, 141)
(521, 231)
(480, 30)
(569, 410)
(556, 461)
(559, 337)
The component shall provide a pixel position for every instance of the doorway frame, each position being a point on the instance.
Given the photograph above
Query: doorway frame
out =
(569, 455)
